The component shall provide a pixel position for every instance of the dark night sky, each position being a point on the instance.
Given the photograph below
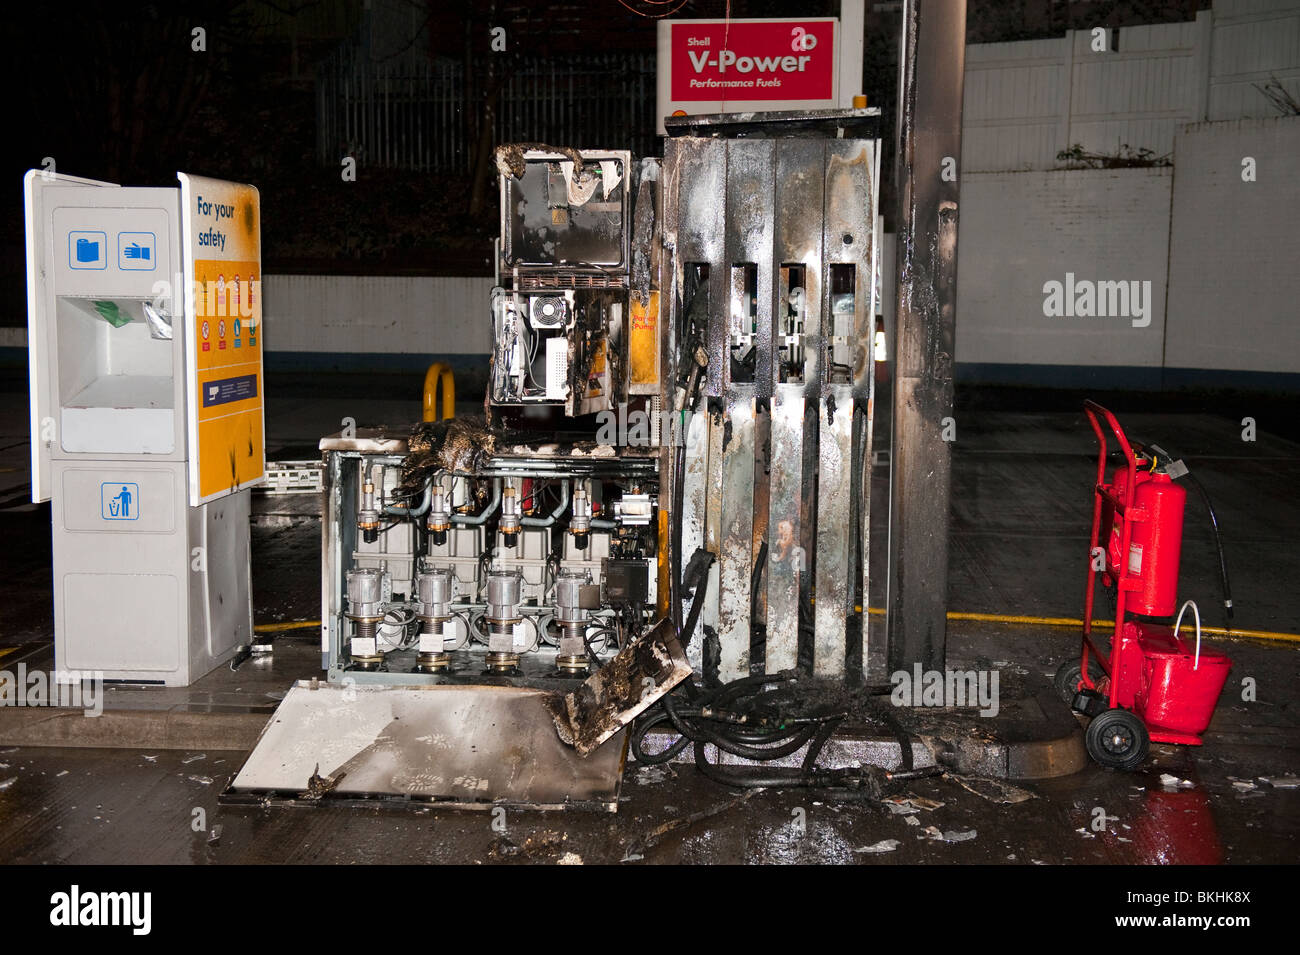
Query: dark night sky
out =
(117, 93)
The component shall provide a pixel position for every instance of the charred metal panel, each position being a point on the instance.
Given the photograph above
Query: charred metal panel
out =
(693, 506)
(834, 547)
(700, 168)
(747, 324)
(929, 139)
(786, 563)
(797, 256)
(789, 336)
(713, 520)
(843, 524)
(736, 560)
(749, 204)
(626, 686)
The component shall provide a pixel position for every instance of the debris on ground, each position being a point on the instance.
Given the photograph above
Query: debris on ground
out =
(152, 759)
(910, 803)
(884, 845)
(994, 790)
(202, 780)
(318, 786)
(649, 775)
(1173, 782)
(1241, 785)
(214, 836)
(569, 858)
(637, 849)
(193, 758)
(548, 840)
(6, 783)
(1281, 782)
(951, 835)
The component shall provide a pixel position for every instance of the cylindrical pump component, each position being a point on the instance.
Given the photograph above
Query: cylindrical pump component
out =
(509, 522)
(580, 516)
(439, 521)
(503, 620)
(366, 609)
(573, 619)
(368, 512)
(1155, 544)
(434, 588)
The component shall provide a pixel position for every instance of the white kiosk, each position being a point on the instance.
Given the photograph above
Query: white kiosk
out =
(144, 338)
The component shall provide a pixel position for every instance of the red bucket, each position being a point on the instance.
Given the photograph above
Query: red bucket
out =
(1177, 690)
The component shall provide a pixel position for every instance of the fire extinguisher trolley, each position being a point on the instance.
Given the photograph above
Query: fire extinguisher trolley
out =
(1152, 685)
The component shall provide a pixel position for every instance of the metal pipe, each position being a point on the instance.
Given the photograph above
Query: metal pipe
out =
(550, 519)
(398, 510)
(439, 373)
(475, 520)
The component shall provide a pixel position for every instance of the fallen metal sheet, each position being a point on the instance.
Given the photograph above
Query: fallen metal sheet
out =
(454, 747)
(622, 689)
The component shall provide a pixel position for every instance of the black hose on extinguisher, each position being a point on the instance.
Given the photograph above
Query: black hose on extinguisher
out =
(1218, 543)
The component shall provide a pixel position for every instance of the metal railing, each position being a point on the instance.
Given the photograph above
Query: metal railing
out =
(419, 115)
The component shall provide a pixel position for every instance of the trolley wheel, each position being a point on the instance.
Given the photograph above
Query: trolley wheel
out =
(1117, 739)
(1069, 678)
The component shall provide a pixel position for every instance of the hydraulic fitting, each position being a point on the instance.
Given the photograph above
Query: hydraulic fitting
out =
(439, 521)
(508, 524)
(368, 513)
(580, 515)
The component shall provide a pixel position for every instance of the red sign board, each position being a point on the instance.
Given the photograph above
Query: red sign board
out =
(772, 60)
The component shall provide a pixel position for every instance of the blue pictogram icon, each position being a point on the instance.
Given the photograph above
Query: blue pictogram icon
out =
(119, 501)
(136, 251)
(87, 250)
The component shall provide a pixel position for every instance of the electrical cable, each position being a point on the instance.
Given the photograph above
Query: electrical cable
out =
(1218, 544)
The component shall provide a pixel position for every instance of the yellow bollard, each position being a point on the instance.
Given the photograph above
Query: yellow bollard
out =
(439, 373)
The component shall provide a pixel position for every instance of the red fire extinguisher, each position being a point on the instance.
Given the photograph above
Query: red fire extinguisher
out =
(1155, 544)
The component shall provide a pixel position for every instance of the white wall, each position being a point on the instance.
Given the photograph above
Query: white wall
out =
(1026, 101)
(1253, 41)
(369, 314)
(1020, 230)
(1234, 269)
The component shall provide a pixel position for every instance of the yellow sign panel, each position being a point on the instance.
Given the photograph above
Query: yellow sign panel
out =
(221, 231)
(643, 343)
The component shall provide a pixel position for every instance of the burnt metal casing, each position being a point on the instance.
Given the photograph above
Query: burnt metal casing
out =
(560, 323)
(773, 222)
